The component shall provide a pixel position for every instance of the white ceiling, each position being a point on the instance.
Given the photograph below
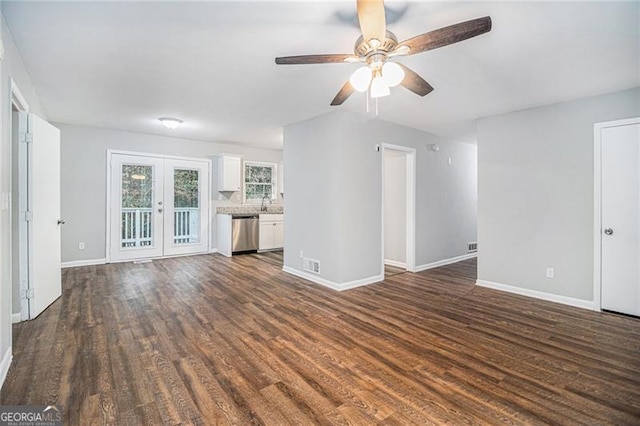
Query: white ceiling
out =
(122, 65)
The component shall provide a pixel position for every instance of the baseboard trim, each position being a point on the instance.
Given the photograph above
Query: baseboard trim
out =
(213, 250)
(330, 284)
(4, 365)
(445, 262)
(15, 318)
(578, 303)
(395, 263)
(87, 262)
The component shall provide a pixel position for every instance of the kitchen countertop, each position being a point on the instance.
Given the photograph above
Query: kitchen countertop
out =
(249, 209)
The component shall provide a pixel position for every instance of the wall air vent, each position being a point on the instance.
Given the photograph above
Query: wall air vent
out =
(472, 247)
(311, 265)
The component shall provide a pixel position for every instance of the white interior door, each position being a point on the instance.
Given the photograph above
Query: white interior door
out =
(43, 216)
(136, 207)
(186, 207)
(620, 192)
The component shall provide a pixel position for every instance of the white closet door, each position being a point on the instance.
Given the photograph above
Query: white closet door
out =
(621, 219)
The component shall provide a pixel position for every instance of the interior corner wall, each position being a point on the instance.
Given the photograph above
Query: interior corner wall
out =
(12, 68)
(334, 188)
(536, 194)
(83, 179)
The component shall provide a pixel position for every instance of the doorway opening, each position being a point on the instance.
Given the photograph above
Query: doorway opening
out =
(616, 210)
(158, 206)
(19, 229)
(398, 209)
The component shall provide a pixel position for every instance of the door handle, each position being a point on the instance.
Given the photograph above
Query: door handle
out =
(608, 231)
(61, 221)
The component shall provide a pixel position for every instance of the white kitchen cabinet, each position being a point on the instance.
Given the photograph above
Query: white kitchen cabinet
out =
(224, 231)
(229, 172)
(271, 231)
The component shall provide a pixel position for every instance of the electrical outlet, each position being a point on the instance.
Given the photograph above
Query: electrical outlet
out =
(80, 246)
(550, 272)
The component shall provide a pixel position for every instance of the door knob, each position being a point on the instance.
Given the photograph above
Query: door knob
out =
(159, 210)
(608, 231)
(61, 222)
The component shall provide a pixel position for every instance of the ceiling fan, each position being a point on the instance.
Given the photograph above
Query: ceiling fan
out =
(376, 46)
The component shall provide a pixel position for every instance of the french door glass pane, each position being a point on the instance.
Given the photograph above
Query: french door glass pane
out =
(137, 206)
(186, 224)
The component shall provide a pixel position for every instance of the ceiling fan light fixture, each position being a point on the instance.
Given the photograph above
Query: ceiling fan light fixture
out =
(379, 87)
(376, 45)
(392, 73)
(361, 78)
(170, 123)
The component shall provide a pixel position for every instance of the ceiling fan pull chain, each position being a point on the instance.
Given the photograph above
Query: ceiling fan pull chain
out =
(376, 107)
(367, 100)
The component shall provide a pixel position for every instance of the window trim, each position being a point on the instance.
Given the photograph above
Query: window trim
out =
(274, 181)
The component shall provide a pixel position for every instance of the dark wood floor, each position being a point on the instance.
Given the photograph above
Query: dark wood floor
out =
(215, 340)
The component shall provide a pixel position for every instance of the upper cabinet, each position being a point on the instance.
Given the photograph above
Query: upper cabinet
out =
(229, 172)
(281, 177)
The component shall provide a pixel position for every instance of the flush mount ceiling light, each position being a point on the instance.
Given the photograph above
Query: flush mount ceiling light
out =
(170, 123)
(377, 46)
(138, 177)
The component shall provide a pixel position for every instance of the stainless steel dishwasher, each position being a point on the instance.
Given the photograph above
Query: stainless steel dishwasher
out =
(245, 232)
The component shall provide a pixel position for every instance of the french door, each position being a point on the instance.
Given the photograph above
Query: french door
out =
(159, 207)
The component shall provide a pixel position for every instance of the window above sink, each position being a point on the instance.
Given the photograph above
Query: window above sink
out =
(259, 182)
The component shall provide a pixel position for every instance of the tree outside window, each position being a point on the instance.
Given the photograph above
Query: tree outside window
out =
(259, 182)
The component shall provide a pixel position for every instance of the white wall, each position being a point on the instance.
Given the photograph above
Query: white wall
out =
(536, 194)
(84, 184)
(395, 206)
(333, 177)
(12, 67)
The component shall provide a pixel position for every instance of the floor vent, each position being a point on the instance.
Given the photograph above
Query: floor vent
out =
(472, 247)
(311, 265)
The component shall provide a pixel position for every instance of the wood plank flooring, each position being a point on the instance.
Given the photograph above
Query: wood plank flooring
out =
(215, 340)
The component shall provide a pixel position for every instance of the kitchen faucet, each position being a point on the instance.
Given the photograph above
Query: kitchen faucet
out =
(263, 207)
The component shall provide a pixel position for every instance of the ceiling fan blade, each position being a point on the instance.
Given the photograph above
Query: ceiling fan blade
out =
(315, 59)
(414, 82)
(372, 19)
(448, 35)
(399, 51)
(346, 91)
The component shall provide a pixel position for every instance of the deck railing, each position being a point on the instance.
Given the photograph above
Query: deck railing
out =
(186, 223)
(137, 226)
